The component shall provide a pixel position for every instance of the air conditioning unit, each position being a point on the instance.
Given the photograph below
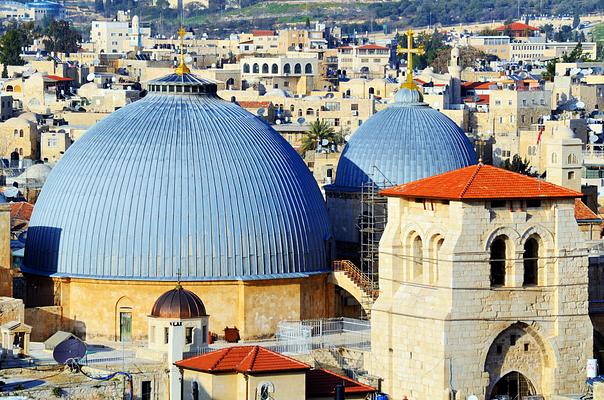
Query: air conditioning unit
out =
(355, 113)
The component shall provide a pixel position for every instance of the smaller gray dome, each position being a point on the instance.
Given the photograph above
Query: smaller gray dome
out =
(178, 303)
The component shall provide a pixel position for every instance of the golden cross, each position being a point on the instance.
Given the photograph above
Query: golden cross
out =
(182, 68)
(400, 50)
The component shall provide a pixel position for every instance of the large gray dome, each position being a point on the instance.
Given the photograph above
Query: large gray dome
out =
(179, 182)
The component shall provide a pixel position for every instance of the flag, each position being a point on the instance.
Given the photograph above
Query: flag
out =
(541, 129)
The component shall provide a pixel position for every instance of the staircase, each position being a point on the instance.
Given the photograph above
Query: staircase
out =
(366, 288)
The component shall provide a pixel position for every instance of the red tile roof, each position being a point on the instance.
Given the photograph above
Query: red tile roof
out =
(516, 27)
(322, 383)
(21, 210)
(584, 213)
(478, 85)
(244, 359)
(263, 33)
(59, 78)
(372, 47)
(480, 182)
(255, 104)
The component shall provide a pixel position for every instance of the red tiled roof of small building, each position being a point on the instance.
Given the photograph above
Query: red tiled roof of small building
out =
(480, 182)
(584, 213)
(255, 104)
(59, 78)
(322, 383)
(264, 32)
(21, 210)
(517, 27)
(244, 359)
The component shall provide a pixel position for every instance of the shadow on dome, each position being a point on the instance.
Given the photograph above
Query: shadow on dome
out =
(47, 240)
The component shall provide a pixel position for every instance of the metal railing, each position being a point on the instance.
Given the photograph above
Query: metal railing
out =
(358, 277)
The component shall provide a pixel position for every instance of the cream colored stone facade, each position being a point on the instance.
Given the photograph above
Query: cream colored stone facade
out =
(438, 324)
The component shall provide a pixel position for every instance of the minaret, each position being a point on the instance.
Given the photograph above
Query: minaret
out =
(176, 337)
(455, 72)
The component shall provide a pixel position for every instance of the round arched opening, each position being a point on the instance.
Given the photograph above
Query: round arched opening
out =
(513, 385)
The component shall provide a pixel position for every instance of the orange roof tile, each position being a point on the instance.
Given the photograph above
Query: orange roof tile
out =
(480, 182)
(322, 383)
(584, 213)
(265, 32)
(255, 104)
(59, 78)
(516, 27)
(21, 210)
(244, 359)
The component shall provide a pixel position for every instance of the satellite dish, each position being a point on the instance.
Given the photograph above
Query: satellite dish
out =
(90, 77)
(260, 112)
(580, 105)
(188, 59)
(593, 138)
(278, 121)
(347, 138)
(69, 350)
(301, 120)
(324, 142)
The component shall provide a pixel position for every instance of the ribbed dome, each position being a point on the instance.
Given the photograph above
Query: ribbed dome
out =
(178, 303)
(405, 142)
(179, 182)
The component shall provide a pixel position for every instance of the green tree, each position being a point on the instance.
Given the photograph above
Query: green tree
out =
(518, 165)
(319, 130)
(11, 45)
(62, 38)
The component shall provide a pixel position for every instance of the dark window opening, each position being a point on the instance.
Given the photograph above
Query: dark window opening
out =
(531, 261)
(533, 203)
(498, 252)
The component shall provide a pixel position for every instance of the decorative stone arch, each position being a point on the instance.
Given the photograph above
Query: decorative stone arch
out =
(510, 233)
(265, 68)
(414, 247)
(123, 306)
(435, 244)
(545, 241)
(246, 68)
(275, 69)
(529, 354)
(298, 68)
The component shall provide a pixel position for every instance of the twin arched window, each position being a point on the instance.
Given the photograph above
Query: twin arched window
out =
(499, 257)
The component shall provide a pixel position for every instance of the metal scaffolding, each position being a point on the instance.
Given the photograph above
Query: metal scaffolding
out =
(372, 221)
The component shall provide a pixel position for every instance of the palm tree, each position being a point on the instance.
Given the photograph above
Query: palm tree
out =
(318, 131)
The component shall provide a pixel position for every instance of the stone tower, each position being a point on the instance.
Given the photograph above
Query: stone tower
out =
(483, 288)
(455, 72)
(564, 158)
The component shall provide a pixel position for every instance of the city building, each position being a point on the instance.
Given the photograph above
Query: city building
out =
(367, 61)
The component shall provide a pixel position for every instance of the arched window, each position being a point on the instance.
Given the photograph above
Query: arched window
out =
(570, 159)
(16, 133)
(531, 261)
(371, 91)
(497, 261)
(308, 68)
(246, 68)
(298, 69)
(574, 159)
(292, 108)
(265, 68)
(287, 69)
(275, 69)
(554, 158)
(310, 111)
(256, 69)
(9, 88)
(194, 390)
(20, 132)
(417, 257)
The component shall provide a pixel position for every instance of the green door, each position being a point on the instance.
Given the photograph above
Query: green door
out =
(125, 326)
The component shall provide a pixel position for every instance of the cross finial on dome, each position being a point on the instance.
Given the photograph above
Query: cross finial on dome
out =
(410, 50)
(182, 68)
